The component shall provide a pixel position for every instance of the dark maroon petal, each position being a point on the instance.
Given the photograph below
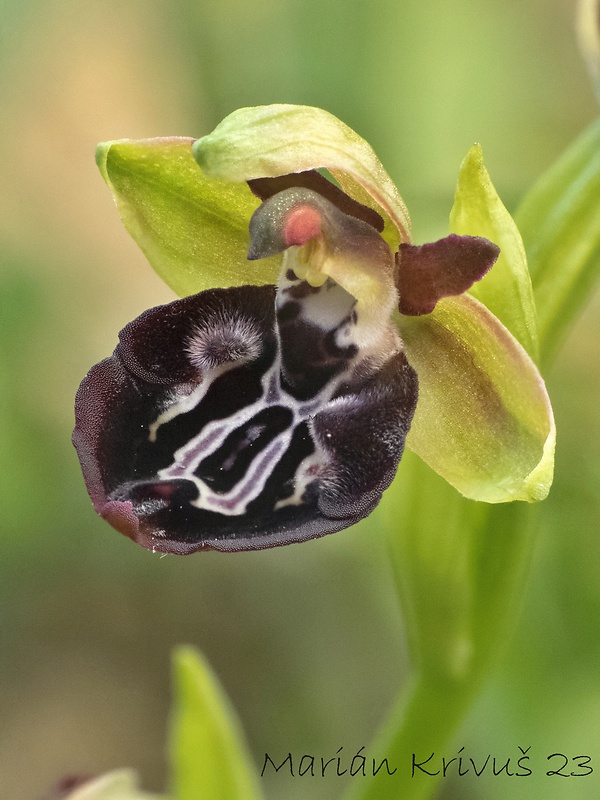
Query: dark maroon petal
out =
(228, 421)
(450, 266)
(264, 188)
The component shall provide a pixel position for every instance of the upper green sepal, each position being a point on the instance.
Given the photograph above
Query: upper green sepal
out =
(192, 228)
(268, 141)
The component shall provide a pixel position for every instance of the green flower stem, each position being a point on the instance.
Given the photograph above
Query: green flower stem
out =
(460, 592)
(422, 722)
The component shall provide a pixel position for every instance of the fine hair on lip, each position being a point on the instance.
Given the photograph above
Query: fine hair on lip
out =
(223, 338)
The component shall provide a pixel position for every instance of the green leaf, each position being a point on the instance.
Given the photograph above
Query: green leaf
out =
(208, 755)
(560, 222)
(193, 229)
(119, 785)
(506, 290)
(268, 141)
(483, 421)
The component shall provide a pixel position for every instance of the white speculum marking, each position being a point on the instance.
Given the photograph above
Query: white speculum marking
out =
(189, 457)
(330, 308)
(212, 348)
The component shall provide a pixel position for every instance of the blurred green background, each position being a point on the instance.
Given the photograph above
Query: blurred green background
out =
(308, 640)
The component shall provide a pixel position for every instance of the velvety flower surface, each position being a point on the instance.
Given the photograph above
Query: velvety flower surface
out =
(252, 416)
(274, 407)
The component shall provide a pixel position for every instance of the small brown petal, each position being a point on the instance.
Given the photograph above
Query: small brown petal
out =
(450, 266)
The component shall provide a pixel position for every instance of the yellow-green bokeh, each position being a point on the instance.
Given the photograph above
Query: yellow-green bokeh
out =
(308, 640)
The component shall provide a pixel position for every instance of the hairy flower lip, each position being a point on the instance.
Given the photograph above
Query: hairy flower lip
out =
(132, 477)
(121, 516)
(151, 541)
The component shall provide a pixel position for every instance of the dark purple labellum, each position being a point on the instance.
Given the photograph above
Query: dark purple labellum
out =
(242, 418)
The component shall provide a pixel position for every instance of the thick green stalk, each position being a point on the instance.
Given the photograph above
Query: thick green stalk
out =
(459, 582)
(423, 732)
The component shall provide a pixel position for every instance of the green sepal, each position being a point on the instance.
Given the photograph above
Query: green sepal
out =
(208, 754)
(506, 290)
(484, 420)
(268, 141)
(559, 219)
(193, 229)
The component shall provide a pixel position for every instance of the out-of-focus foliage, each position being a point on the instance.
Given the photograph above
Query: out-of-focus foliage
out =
(307, 639)
(208, 754)
(560, 222)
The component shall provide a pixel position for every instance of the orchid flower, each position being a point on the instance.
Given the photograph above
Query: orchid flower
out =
(271, 404)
